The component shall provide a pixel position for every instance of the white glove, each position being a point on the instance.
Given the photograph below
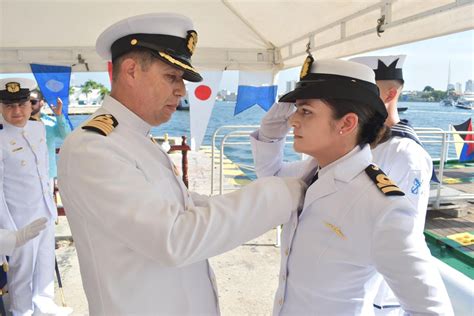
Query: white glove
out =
(297, 188)
(275, 123)
(30, 231)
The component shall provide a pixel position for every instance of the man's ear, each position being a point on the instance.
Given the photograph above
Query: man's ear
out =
(128, 69)
(391, 94)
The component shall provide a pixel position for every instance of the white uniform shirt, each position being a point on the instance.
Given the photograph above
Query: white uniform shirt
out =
(408, 165)
(142, 240)
(24, 176)
(347, 232)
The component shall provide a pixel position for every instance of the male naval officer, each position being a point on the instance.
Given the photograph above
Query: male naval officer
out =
(142, 238)
(26, 196)
(401, 156)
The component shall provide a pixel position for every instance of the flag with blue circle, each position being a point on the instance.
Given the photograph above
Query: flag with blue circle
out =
(255, 88)
(53, 81)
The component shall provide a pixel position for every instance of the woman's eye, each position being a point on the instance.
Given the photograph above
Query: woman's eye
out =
(306, 112)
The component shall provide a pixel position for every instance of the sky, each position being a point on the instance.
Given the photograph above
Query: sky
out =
(427, 63)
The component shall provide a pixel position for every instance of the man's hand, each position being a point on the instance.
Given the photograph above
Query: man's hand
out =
(30, 231)
(57, 109)
(297, 188)
(275, 123)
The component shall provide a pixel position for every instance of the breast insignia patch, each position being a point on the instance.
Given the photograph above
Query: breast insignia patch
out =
(103, 124)
(382, 181)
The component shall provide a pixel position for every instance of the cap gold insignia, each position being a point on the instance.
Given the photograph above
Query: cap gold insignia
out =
(306, 66)
(335, 229)
(134, 41)
(13, 87)
(103, 124)
(191, 41)
(176, 62)
(383, 182)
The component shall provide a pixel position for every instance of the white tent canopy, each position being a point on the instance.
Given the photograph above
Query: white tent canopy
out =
(233, 34)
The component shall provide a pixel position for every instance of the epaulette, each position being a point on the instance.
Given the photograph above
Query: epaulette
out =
(32, 118)
(103, 124)
(382, 181)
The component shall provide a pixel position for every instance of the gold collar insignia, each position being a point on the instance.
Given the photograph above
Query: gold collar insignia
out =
(335, 229)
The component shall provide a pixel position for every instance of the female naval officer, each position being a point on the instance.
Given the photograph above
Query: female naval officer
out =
(355, 221)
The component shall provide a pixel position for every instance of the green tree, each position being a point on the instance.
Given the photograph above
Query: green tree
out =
(428, 89)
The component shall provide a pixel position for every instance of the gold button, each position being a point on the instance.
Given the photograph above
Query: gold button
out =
(12, 142)
(283, 277)
(287, 251)
(280, 301)
(23, 163)
(134, 41)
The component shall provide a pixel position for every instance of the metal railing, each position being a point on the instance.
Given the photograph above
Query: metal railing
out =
(427, 136)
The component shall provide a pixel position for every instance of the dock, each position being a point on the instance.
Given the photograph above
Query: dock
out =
(247, 276)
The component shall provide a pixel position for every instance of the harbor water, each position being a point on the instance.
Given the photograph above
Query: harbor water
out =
(419, 114)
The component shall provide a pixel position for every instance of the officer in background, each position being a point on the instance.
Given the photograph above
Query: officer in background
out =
(27, 196)
(401, 156)
(56, 128)
(142, 238)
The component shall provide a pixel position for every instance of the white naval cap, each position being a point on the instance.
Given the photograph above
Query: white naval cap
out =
(169, 36)
(15, 89)
(337, 79)
(385, 67)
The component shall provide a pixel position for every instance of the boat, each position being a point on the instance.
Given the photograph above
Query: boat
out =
(401, 109)
(447, 102)
(466, 102)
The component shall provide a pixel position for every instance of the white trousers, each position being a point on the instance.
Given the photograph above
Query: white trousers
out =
(31, 275)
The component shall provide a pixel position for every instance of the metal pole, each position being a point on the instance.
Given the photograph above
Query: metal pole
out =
(442, 160)
(60, 283)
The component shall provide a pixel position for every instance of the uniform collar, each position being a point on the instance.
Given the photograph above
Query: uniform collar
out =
(125, 116)
(8, 126)
(344, 169)
(349, 165)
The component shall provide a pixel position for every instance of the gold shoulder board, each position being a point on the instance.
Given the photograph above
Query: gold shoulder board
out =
(382, 181)
(103, 124)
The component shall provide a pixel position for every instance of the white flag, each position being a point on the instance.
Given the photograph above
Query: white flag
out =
(202, 96)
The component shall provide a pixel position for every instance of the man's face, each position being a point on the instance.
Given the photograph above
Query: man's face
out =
(16, 114)
(158, 90)
(36, 104)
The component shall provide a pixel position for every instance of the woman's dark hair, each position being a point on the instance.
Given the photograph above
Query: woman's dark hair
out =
(372, 129)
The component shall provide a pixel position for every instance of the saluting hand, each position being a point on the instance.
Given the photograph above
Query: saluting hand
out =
(275, 123)
(57, 109)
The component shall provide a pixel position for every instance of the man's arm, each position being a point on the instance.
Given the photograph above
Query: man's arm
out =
(61, 128)
(101, 183)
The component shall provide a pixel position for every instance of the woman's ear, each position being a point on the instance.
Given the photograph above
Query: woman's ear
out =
(348, 123)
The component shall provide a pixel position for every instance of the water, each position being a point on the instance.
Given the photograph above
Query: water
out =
(420, 114)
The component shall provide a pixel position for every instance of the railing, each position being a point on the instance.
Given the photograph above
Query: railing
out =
(427, 136)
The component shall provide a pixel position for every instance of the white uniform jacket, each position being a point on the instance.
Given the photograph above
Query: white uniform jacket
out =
(410, 167)
(142, 239)
(347, 232)
(24, 179)
(7, 242)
